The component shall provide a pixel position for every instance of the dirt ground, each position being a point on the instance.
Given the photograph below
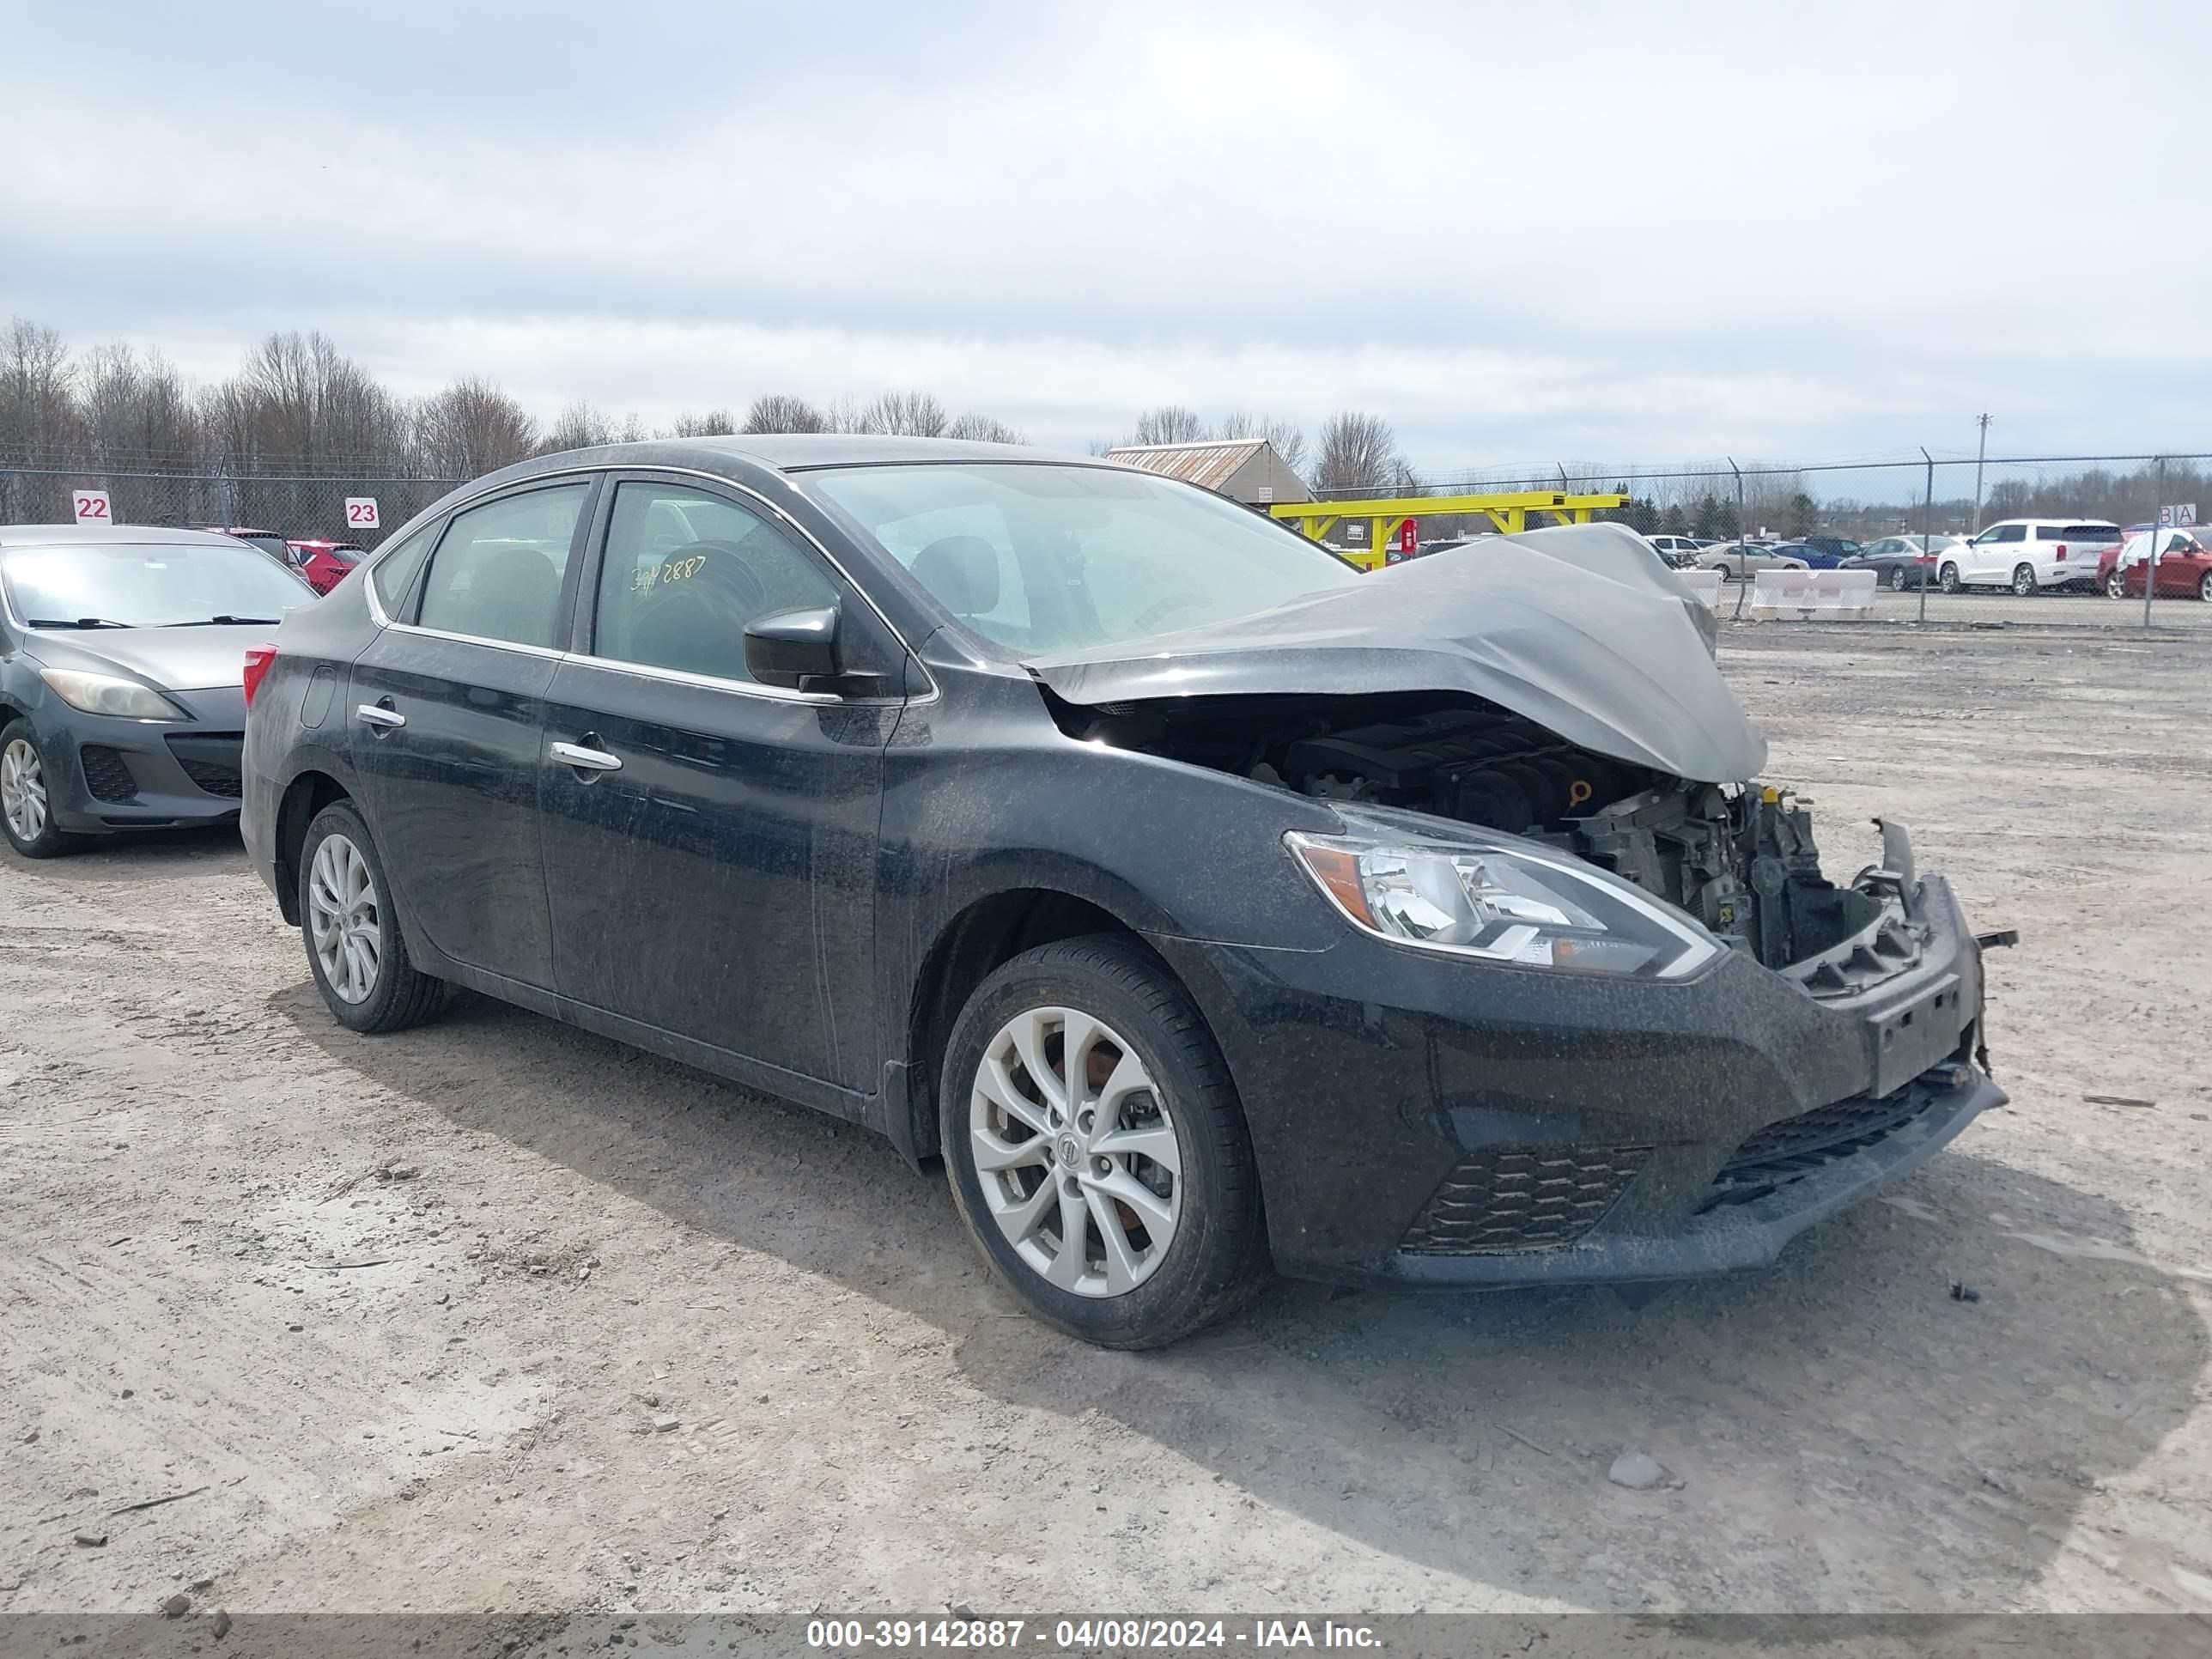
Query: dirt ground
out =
(496, 1315)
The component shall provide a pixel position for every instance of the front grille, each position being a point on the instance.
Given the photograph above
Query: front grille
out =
(1796, 1146)
(104, 774)
(211, 761)
(1506, 1200)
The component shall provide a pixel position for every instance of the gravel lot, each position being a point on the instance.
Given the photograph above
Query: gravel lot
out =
(496, 1315)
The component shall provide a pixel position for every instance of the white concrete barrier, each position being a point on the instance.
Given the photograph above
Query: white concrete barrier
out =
(1706, 584)
(1807, 593)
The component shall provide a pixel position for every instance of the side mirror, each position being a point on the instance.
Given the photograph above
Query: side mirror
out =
(792, 648)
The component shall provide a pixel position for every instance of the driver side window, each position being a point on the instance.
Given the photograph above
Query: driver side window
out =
(685, 572)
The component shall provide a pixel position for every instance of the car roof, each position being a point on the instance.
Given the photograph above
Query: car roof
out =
(121, 535)
(793, 452)
(2100, 523)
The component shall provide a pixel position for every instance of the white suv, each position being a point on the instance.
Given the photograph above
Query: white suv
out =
(2026, 555)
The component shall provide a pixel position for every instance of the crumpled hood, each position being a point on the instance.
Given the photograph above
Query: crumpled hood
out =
(1580, 628)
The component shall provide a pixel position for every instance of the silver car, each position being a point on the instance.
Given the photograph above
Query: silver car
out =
(1736, 559)
(122, 668)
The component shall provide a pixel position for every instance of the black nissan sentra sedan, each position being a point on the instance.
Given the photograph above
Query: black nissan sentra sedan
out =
(1207, 905)
(122, 649)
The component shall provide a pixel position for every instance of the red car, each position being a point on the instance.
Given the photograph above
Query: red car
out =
(324, 564)
(2185, 566)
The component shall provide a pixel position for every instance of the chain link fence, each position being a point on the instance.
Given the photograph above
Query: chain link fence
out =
(296, 506)
(1863, 501)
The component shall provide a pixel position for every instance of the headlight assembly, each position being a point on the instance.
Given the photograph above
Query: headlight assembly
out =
(107, 694)
(1502, 905)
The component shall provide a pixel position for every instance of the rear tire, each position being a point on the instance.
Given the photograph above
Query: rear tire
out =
(351, 930)
(2023, 581)
(26, 808)
(1040, 1173)
(2116, 587)
(1949, 581)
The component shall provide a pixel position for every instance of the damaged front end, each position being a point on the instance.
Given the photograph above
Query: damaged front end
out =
(1740, 859)
(1533, 761)
(1557, 686)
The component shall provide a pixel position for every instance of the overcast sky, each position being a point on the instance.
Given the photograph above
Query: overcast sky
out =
(1522, 233)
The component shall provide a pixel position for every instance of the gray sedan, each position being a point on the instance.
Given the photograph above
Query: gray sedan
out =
(122, 664)
(1898, 561)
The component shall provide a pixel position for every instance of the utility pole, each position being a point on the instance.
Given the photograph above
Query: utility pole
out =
(2150, 538)
(1927, 523)
(1981, 454)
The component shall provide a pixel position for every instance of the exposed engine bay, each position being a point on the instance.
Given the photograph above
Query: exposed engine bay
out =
(1740, 858)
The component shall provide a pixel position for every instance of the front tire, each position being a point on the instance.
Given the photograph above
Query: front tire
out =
(26, 814)
(2116, 587)
(2023, 581)
(1897, 579)
(1124, 1209)
(351, 931)
(1949, 581)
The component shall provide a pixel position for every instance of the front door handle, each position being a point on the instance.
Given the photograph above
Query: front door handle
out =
(376, 714)
(585, 760)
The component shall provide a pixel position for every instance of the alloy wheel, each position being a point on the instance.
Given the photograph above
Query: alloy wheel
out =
(345, 920)
(2023, 581)
(1897, 579)
(1075, 1152)
(2115, 588)
(23, 790)
(1950, 583)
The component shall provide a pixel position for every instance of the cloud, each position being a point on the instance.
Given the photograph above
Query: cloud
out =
(1628, 230)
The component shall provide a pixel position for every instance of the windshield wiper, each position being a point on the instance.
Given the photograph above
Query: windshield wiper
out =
(79, 621)
(226, 622)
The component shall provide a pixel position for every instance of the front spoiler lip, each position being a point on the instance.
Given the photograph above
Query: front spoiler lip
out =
(1732, 1238)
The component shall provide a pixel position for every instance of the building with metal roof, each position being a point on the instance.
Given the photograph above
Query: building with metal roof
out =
(1247, 470)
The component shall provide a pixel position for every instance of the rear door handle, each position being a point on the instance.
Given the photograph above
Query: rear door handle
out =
(585, 760)
(390, 720)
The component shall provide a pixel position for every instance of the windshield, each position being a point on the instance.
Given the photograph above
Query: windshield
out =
(148, 585)
(1042, 558)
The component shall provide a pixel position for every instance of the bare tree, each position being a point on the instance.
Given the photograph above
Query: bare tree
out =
(779, 411)
(578, 425)
(298, 404)
(981, 428)
(37, 411)
(906, 414)
(1171, 424)
(1289, 441)
(1358, 455)
(472, 427)
(135, 412)
(714, 423)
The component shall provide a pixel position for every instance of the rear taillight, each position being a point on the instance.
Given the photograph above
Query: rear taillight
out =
(2061, 549)
(259, 660)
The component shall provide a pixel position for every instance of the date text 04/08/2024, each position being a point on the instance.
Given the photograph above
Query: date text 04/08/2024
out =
(858, 1635)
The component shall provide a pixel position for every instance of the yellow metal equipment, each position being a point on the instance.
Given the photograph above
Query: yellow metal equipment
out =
(1509, 511)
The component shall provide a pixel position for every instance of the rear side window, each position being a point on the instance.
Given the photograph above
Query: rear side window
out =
(497, 572)
(2085, 532)
(393, 575)
(685, 572)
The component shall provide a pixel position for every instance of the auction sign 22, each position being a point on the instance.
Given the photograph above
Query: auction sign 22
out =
(91, 506)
